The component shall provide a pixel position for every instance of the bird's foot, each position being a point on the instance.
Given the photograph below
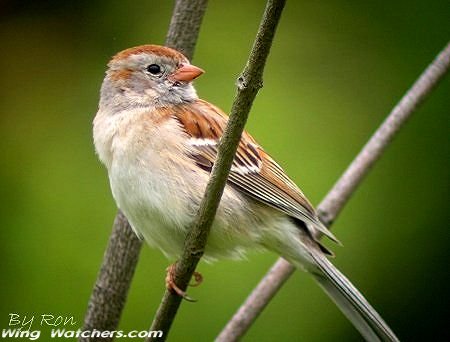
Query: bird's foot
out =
(171, 286)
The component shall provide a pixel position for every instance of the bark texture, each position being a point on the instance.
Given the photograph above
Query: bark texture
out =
(248, 85)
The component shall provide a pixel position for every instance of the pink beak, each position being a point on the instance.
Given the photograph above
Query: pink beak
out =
(186, 73)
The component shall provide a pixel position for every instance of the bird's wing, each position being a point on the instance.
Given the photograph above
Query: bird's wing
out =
(253, 171)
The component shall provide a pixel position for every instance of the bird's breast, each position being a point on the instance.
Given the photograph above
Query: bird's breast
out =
(159, 187)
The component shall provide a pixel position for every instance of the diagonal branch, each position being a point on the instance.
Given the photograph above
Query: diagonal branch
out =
(121, 256)
(248, 84)
(341, 192)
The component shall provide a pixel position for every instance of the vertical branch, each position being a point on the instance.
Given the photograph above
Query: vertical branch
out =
(338, 196)
(110, 291)
(185, 25)
(248, 85)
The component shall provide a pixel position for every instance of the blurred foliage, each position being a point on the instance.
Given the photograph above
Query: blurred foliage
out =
(335, 71)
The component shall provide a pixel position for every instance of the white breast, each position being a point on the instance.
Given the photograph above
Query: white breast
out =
(159, 188)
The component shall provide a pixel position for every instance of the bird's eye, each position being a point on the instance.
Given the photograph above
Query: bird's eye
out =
(154, 69)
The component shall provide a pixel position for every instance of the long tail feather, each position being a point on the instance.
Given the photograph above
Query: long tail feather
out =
(350, 301)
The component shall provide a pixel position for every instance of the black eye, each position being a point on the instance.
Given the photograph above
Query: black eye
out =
(154, 69)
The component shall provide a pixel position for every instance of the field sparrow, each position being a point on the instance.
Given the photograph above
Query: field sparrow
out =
(158, 141)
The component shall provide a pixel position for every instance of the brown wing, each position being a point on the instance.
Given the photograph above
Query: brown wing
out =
(253, 171)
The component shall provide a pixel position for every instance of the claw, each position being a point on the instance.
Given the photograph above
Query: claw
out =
(171, 286)
(198, 279)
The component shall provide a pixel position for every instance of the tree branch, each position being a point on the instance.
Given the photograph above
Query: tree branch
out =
(121, 256)
(248, 85)
(111, 287)
(185, 25)
(341, 192)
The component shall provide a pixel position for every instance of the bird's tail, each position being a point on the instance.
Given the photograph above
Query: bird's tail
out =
(350, 301)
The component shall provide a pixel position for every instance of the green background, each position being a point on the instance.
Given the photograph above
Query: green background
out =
(335, 70)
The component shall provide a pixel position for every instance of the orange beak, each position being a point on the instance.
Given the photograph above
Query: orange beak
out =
(186, 73)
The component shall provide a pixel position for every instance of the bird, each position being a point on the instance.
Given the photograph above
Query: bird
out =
(159, 141)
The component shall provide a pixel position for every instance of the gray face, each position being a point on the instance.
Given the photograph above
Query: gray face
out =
(143, 80)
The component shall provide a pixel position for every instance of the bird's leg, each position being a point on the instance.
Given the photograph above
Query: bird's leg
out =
(171, 286)
(170, 283)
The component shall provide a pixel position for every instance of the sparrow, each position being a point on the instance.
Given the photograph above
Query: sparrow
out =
(159, 141)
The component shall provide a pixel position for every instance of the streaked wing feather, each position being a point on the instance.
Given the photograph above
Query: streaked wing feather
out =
(253, 171)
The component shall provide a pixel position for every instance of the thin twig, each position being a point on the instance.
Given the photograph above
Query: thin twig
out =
(121, 256)
(338, 196)
(249, 83)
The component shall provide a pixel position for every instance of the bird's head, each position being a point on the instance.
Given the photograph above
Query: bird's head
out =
(149, 75)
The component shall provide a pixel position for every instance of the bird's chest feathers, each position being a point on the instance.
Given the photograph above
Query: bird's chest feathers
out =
(113, 134)
(146, 171)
